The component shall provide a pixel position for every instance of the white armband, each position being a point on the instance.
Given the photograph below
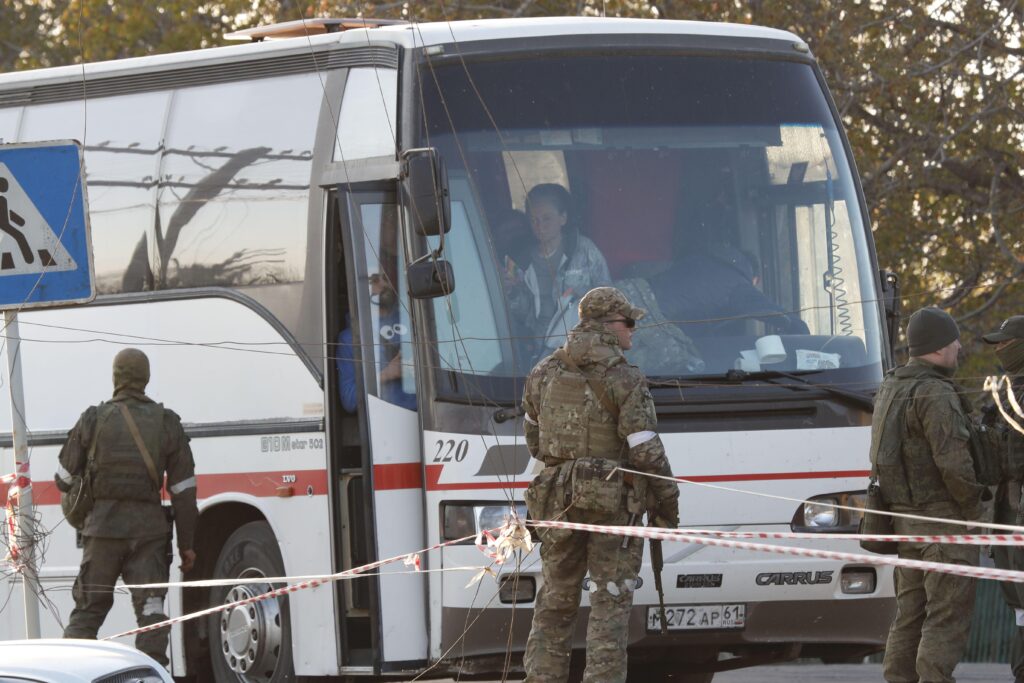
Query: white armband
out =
(526, 416)
(638, 438)
(183, 485)
(64, 475)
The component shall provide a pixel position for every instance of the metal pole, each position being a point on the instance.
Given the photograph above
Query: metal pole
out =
(26, 518)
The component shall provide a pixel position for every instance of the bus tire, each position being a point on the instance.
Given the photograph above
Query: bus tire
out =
(250, 643)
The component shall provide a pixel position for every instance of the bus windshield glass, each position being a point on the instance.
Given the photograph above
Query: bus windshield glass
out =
(715, 192)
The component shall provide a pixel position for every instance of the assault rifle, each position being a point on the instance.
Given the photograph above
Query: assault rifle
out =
(657, 566)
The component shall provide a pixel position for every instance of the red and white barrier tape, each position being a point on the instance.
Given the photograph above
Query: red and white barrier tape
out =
(18, 483)
(836, 506)
(886, 560)
(278, 592)
(953, 539)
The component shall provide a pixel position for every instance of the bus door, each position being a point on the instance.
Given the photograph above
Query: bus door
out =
(380, 475)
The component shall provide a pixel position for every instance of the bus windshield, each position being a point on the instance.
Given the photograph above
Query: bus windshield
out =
(714, 191)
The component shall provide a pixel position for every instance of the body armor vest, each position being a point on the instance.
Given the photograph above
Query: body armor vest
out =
(120, 469)
(901, 455)
(573, 422)
(888, 433)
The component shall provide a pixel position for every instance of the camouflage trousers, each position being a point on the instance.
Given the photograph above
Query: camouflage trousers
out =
(137, 560)
(933, 611)
(567, 556)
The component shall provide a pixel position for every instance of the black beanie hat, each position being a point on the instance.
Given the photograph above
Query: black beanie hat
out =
(931, 329)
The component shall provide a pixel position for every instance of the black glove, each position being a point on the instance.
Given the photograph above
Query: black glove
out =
(666, 514)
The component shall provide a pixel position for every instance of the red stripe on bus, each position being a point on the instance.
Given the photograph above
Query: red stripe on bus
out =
(390, 477)
(403, 475)
(43, 493)
(259, 484)
(264, 484)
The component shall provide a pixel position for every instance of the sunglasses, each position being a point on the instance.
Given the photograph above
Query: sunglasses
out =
(629, 322)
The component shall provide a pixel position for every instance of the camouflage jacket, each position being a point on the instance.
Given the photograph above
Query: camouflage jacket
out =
(135, 516)
(921, 443)
(597, 353)
(1010, 443)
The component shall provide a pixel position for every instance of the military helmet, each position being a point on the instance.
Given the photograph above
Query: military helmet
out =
(131, 370)
(604, 302)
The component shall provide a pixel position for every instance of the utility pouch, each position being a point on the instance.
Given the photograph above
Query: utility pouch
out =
(77, 502)
(636, 495)
(876, 524)
(597, 485)
(989, 453)
(540, 495)
(545, 500)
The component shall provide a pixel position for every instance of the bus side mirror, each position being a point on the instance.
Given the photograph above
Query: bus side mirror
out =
(891, 301)
(425, 192)
(429, 279)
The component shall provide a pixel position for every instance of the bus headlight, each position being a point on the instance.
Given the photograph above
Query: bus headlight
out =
(459, 520)
(819, 514)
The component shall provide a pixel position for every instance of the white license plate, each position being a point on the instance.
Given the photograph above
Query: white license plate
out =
(698, 617)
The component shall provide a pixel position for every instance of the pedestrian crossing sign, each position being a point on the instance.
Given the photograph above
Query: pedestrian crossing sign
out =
(45, 247)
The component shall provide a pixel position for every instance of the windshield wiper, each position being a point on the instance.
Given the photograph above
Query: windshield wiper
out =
(857, 398)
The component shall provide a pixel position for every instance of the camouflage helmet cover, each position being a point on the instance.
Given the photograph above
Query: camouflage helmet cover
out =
(605, 302)
(131, 370)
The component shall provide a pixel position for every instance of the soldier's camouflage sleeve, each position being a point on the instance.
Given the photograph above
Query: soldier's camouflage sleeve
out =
(181, 480)
(638, 424)
(948, 435)
(531, 407)
(71, 461)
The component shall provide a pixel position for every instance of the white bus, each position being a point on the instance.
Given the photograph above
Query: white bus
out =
(260, 214)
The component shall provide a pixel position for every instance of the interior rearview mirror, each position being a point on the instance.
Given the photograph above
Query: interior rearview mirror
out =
(429, 279)
(425, 192)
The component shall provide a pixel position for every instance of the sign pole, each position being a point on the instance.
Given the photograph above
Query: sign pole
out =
(26, 516)
(46, 260)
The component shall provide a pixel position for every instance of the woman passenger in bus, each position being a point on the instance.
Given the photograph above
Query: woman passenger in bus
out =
(562, 266)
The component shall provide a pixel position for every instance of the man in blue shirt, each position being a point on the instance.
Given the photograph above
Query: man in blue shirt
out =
(391, 332)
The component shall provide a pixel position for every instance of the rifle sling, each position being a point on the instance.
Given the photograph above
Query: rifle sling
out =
(133, 428)
(90, 456)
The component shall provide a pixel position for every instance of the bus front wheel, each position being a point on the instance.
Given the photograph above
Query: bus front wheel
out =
(249, 642)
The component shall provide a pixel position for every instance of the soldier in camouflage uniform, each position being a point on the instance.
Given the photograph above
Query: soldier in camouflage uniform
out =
(921, 447)
(588, 410)
(1009, 343)
(127, 533)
